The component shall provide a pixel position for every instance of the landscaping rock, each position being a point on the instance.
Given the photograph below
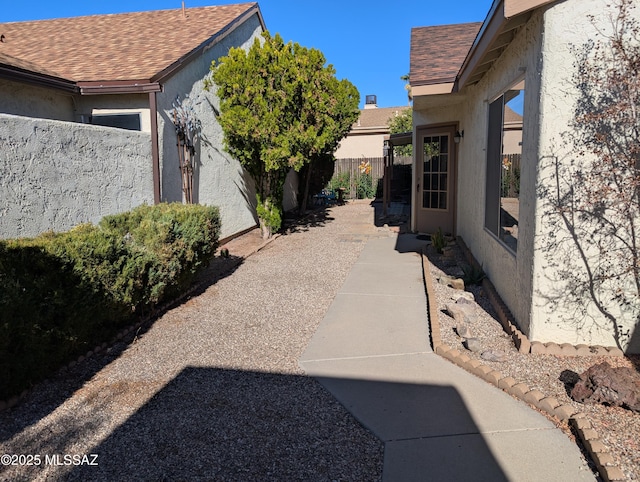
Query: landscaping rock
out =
(466, 295)
(494, 356)
(461, 313)
(473, 344)
(456, 284)
(463, 330)
(605, 384)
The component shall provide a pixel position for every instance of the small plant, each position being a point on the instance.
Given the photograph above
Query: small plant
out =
(473, 275)
(438, 241)
(364, 187)
(270, 216)
(341, 180)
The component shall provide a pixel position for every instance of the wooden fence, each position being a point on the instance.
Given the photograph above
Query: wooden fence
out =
(355, 167)
(510, 175)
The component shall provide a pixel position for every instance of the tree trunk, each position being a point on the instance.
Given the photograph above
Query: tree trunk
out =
(303, 204)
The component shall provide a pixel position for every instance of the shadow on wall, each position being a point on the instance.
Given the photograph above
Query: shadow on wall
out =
(634, 341)
(217, 424)
(590, 274)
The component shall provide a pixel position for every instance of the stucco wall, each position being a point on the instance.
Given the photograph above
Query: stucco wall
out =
(555, 317)
(360, 146)
(55, 175)
(27, 100)
(219, 179)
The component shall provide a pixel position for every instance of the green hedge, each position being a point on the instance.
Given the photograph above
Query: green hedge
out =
(63, 293)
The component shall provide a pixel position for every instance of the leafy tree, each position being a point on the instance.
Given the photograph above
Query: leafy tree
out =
(281, 108)
(593, 193)
(403, 122)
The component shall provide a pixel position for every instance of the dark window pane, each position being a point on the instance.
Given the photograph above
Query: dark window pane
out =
(444, 144)
(443, 164)
(443, 200)
(122, 121)
(425, 200)
(425, 181)
(435, 164)
(443, 182)
(434, 200)
(434, 182)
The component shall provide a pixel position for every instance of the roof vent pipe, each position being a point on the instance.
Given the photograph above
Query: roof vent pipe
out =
(184, 12)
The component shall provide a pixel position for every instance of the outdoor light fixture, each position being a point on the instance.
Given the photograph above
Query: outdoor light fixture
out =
(459, 135)
(385, 149)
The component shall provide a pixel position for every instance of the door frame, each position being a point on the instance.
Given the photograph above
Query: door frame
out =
(449, 128)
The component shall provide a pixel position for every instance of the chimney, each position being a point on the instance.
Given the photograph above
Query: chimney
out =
(371, 102)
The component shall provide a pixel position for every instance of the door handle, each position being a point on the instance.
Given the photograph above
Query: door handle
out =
(418, 187)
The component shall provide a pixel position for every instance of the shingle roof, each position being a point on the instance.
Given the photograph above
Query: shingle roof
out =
(378, 117)
(24, 65)
(128, 46)
(437, 53)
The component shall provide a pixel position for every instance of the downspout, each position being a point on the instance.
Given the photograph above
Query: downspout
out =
(155, 152)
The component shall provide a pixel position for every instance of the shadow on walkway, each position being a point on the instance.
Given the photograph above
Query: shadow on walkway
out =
(220, 424)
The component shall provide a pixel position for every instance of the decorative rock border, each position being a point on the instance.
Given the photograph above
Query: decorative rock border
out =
(135, 327)
(589, 438)
(521, 341)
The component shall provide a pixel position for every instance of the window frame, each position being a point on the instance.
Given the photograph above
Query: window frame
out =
(493, 162)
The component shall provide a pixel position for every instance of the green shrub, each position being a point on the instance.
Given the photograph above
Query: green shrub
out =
(473, 275)
(270, 214)
(340, 181)
(438, 241)
(364, 187)
(63, 293)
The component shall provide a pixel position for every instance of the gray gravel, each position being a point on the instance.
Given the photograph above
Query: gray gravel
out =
(212, 390)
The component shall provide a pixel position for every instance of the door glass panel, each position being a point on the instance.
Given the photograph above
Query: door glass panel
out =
(435, 165)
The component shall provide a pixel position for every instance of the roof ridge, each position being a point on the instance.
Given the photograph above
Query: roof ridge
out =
(137, 12)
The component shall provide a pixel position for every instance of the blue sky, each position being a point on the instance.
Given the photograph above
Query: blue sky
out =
(366, 41)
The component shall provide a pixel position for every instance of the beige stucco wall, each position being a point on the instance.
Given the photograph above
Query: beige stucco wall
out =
(554, 318)
(356, 146)
(511, 141)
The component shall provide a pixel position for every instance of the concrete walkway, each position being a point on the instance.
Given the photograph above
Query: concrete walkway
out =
(437, 421)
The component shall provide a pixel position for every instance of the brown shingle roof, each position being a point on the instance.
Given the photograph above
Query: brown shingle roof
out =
(511, 116)
(378, 117)
(438, 52)
(128, 46)
(11, 61)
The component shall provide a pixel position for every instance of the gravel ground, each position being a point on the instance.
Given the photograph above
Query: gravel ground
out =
(618, 428)
(212, 389)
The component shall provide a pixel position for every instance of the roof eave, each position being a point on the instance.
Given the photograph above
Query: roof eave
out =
(17, 74)
(118, 87)
(357, 131)
(167, 72)
(437, 88)
(505, 16)
(513, 8)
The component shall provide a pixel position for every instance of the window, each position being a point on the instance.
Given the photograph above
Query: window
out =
(504, 151)
(435, 169)
(122, 121)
